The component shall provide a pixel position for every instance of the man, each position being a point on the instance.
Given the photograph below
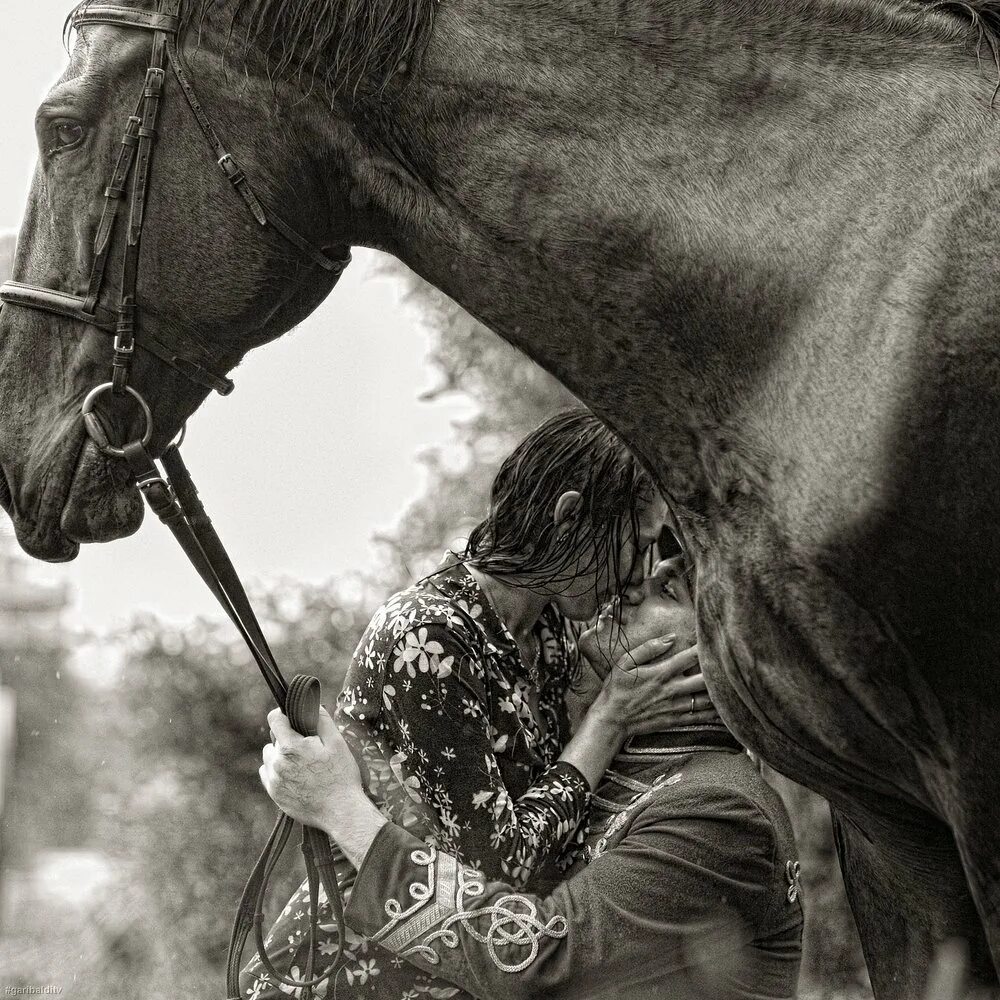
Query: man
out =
(689, 887)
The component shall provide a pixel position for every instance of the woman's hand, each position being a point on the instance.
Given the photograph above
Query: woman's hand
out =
(309, 777)
(646, 690)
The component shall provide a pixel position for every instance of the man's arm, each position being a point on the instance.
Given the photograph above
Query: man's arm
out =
(691, 884)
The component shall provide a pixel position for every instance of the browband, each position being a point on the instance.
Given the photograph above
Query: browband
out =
(127, 17)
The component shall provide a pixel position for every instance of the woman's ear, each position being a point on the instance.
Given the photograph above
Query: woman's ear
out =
(566, 507)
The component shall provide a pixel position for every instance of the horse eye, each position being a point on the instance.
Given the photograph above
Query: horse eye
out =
(64, 135)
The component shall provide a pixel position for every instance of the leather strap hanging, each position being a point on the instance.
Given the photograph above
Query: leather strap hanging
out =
(174, 498)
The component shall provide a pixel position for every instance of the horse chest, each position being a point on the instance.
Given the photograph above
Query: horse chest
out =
(797, 672)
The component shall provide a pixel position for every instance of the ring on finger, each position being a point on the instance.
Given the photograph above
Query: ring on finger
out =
(693, 704)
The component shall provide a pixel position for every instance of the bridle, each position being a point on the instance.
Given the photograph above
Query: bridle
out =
(171, 494)
(198, 362)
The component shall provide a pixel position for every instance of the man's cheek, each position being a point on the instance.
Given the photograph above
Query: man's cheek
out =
(599, 647)
(612, 643)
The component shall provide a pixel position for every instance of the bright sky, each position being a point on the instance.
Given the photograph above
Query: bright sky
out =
(313, 452)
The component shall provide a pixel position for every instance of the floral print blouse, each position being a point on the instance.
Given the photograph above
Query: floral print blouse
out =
(457, 740)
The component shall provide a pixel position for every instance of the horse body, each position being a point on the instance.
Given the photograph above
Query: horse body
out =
(801, 341)
(758, 241)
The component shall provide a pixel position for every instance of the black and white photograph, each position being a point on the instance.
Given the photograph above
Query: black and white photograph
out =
(500, 500)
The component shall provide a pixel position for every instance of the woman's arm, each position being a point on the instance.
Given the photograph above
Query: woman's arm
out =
(421, 673)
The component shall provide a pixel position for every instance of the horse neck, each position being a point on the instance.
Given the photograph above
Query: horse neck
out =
(645, 197)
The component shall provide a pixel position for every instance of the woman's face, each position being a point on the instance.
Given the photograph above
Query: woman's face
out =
(593, 587)
(660, 605)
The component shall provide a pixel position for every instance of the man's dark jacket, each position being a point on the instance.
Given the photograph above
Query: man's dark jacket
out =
(690, 891)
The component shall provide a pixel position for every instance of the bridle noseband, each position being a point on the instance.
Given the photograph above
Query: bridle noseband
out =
(171, 494)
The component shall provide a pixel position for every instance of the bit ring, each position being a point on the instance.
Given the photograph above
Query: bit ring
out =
(95, 429)
(181, 434)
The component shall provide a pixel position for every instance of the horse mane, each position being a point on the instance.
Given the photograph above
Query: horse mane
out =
(338, 45)
(979, 16)
(330, 45)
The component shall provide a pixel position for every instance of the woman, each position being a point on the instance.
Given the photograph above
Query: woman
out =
(454, 704)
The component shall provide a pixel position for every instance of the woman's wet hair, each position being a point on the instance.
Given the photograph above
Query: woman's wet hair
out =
(518, 537)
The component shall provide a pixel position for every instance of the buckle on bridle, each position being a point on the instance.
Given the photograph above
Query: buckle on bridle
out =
(232, 170)
(123, 346)
(146, 483)
(154, 82)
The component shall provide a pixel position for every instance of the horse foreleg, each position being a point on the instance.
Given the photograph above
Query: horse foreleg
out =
(976, 825)
(909, 895)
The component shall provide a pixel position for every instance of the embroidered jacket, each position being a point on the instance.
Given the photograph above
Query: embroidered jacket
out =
(691, 891)
(457, 741)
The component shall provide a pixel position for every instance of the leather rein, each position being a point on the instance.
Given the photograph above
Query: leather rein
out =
(171, 494)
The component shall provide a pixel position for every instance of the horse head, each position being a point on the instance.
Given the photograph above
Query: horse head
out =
(164, 227)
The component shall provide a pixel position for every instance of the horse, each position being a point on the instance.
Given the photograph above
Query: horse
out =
(758, 239)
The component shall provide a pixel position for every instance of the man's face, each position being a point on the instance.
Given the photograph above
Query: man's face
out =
(582, 599)
(660, 605)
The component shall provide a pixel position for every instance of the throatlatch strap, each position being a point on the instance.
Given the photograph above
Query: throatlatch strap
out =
(238, 180)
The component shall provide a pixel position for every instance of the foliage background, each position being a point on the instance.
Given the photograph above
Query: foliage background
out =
(175, 798)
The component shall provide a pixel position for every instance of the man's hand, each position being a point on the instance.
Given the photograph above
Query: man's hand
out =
(309, 777)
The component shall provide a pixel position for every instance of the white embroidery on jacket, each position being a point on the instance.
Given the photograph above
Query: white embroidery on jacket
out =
(440, 904)
(793, 871)
(626, 814)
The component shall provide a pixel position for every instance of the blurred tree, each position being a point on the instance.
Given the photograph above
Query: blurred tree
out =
(511, 394)
(47, 801)
(50, 749)
(188, 723)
